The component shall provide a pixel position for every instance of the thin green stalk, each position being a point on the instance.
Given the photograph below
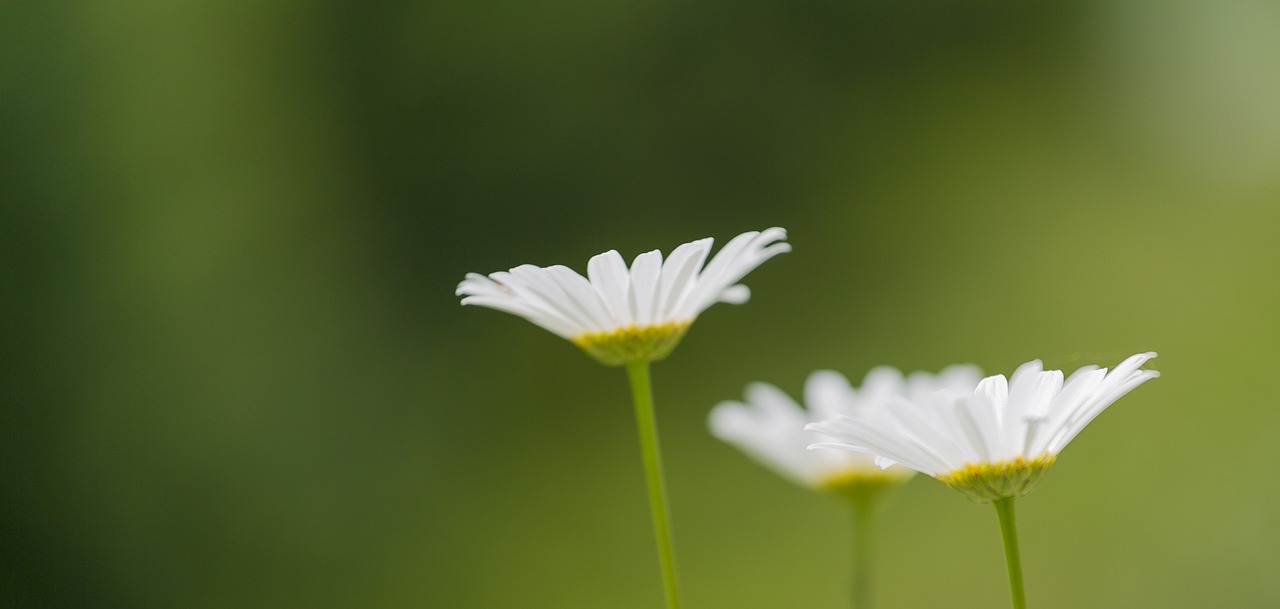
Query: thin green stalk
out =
(863, 552)
(647, 425)
(1004, 510)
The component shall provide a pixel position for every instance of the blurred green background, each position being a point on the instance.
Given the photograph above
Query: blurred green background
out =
(235, 373)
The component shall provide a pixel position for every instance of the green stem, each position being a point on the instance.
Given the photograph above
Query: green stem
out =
(1004, 510)
(863, 545)
(647, 425)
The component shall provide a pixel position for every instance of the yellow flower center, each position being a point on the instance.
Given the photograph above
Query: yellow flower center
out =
(862, 485)
(632, 343)
(986, 482)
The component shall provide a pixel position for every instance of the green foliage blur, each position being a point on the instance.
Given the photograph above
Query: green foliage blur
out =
(235, 373)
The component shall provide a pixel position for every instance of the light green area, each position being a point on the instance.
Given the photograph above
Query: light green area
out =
(866, 496)
(236, 374)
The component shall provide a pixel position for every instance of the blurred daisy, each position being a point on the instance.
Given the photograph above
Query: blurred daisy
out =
(770, 426)
(619, 314)
(996, 440)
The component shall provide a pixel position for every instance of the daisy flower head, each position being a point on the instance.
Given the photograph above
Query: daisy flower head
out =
(995, 441)
(770, 427)
(620, 314)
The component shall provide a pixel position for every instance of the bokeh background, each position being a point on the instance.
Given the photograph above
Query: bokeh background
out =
(235, 373)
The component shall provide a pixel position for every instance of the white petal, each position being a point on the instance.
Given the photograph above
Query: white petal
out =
(678, 277)
(770, 428)
(935, 418)
(516, 307)
(612, 281)
(1077, 392)
(477, 284)
(535, 285)
(735, 295)
(897, 444)
(1029, 400)
(1022, 386)
(508, 287)
(885, 462)
(710, 281)
(770, 398)
(1095, 407)
(738, 257)
(881, 383)
(1123, 370)
(958, 377)
(978, 416)
(582, 297)
(827, 393)
(995, 390)
(645, 271)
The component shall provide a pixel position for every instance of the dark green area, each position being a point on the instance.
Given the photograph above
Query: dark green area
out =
(235, 373)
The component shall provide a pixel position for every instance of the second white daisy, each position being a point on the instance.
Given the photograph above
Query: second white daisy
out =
(770, 426)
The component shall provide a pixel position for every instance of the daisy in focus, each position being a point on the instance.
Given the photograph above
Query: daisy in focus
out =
(770, 426)
(630, 316)
(995, 441)
(619, 314)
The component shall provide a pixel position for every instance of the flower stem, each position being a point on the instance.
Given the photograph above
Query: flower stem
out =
(646, 424)
(863, 546)
(1004, 510)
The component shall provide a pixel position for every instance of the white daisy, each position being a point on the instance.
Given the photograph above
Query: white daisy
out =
(770, 426)
(619, 314)
(995, 441)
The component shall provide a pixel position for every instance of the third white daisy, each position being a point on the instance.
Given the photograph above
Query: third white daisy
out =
(995, 441)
